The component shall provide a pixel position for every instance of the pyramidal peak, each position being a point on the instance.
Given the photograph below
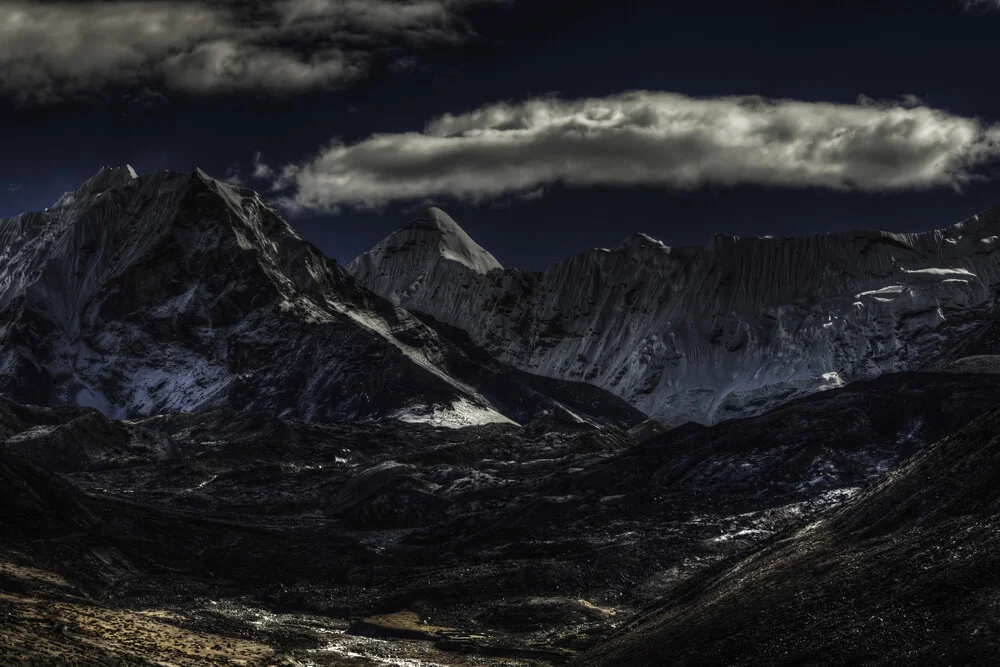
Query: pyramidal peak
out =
(434, 219)
(453, 243)
(429, 243)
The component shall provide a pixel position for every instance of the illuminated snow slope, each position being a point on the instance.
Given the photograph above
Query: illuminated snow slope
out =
(707, 333)
(166, 292)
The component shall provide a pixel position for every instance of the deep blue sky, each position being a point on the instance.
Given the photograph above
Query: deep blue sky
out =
(808, 51)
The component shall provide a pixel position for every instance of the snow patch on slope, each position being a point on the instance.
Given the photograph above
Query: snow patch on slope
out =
(459, 414)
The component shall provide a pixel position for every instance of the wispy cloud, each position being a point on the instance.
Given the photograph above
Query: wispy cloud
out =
(50, 50)
(981, 5)
(648, 138)
(13, 187)
(235, 175)
(146, 97)
(260, 169)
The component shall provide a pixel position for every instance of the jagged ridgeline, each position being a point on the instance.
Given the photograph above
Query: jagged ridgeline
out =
(146, 294)
(168, 292)
(729, 329)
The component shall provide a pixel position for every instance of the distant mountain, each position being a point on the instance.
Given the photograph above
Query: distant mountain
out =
(707, 333)
(141, 295)
(419, 248)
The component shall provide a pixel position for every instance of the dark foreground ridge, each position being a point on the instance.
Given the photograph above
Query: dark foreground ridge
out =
(212, 537)
(904, 574)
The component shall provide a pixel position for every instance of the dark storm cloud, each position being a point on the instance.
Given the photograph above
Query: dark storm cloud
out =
(649, 139)
(49, 50)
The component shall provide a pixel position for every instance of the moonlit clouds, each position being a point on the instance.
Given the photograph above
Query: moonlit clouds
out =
(222, 66)
(50, 50)
(649, 139)
(260, 169)
(371, 15)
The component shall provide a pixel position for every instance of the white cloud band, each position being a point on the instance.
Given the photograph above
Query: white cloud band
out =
(653, 139)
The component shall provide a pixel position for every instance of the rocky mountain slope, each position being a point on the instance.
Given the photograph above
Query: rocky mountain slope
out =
(902, 574)
(706, 333)
(140, 295)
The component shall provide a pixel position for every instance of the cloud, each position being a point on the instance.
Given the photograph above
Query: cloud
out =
(260, 169)
(404, 64)
(147, 98)
(980, 5)
(234, 175)
(647, 138)
(13, 187)
(222, 66)
(50, 50)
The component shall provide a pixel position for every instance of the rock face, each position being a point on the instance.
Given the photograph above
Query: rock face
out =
(168, 292)
(706, 333)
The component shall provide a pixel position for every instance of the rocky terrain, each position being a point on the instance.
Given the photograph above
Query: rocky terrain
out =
(218, 447)
(903, 574)
(703, 334)
(281, 540)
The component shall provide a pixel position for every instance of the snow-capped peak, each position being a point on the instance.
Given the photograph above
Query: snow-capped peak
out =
(435, 228)
(431, 245)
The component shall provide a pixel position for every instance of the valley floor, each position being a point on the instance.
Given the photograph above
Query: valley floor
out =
(218, 538)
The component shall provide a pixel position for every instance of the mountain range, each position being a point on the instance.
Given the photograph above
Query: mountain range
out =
(729, 329)
(139, 295)
(218, 446)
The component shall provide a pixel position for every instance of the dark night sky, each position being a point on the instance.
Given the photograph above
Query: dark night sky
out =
(943, 52)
